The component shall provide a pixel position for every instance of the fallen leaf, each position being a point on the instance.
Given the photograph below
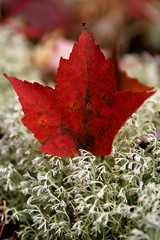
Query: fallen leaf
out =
(85, 110)
(124, 82)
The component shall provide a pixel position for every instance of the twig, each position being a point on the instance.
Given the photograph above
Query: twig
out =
(3, 222)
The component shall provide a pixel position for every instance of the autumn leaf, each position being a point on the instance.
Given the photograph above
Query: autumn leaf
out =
(124, 82)
(85, 110)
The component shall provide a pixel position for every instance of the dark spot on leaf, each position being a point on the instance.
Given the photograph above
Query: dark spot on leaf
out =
(87, 142)
(64, 130)
(43, 123)
(109, 102)
(40, 113)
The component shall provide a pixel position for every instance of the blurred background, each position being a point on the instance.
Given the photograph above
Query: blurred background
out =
(34, 34)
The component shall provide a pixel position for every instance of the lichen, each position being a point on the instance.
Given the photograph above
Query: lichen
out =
(15, 52)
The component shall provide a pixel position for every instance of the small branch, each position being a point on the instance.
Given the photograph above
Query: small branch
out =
(3, 222)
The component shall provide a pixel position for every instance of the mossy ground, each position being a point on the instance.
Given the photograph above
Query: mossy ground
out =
(82, 197)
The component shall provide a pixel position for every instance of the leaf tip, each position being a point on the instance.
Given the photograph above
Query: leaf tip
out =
(84, 26)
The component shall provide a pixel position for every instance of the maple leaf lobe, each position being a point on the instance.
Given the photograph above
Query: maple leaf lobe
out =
(85, 110)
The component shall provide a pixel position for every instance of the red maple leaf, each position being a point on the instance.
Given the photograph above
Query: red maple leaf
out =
(85, 110)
